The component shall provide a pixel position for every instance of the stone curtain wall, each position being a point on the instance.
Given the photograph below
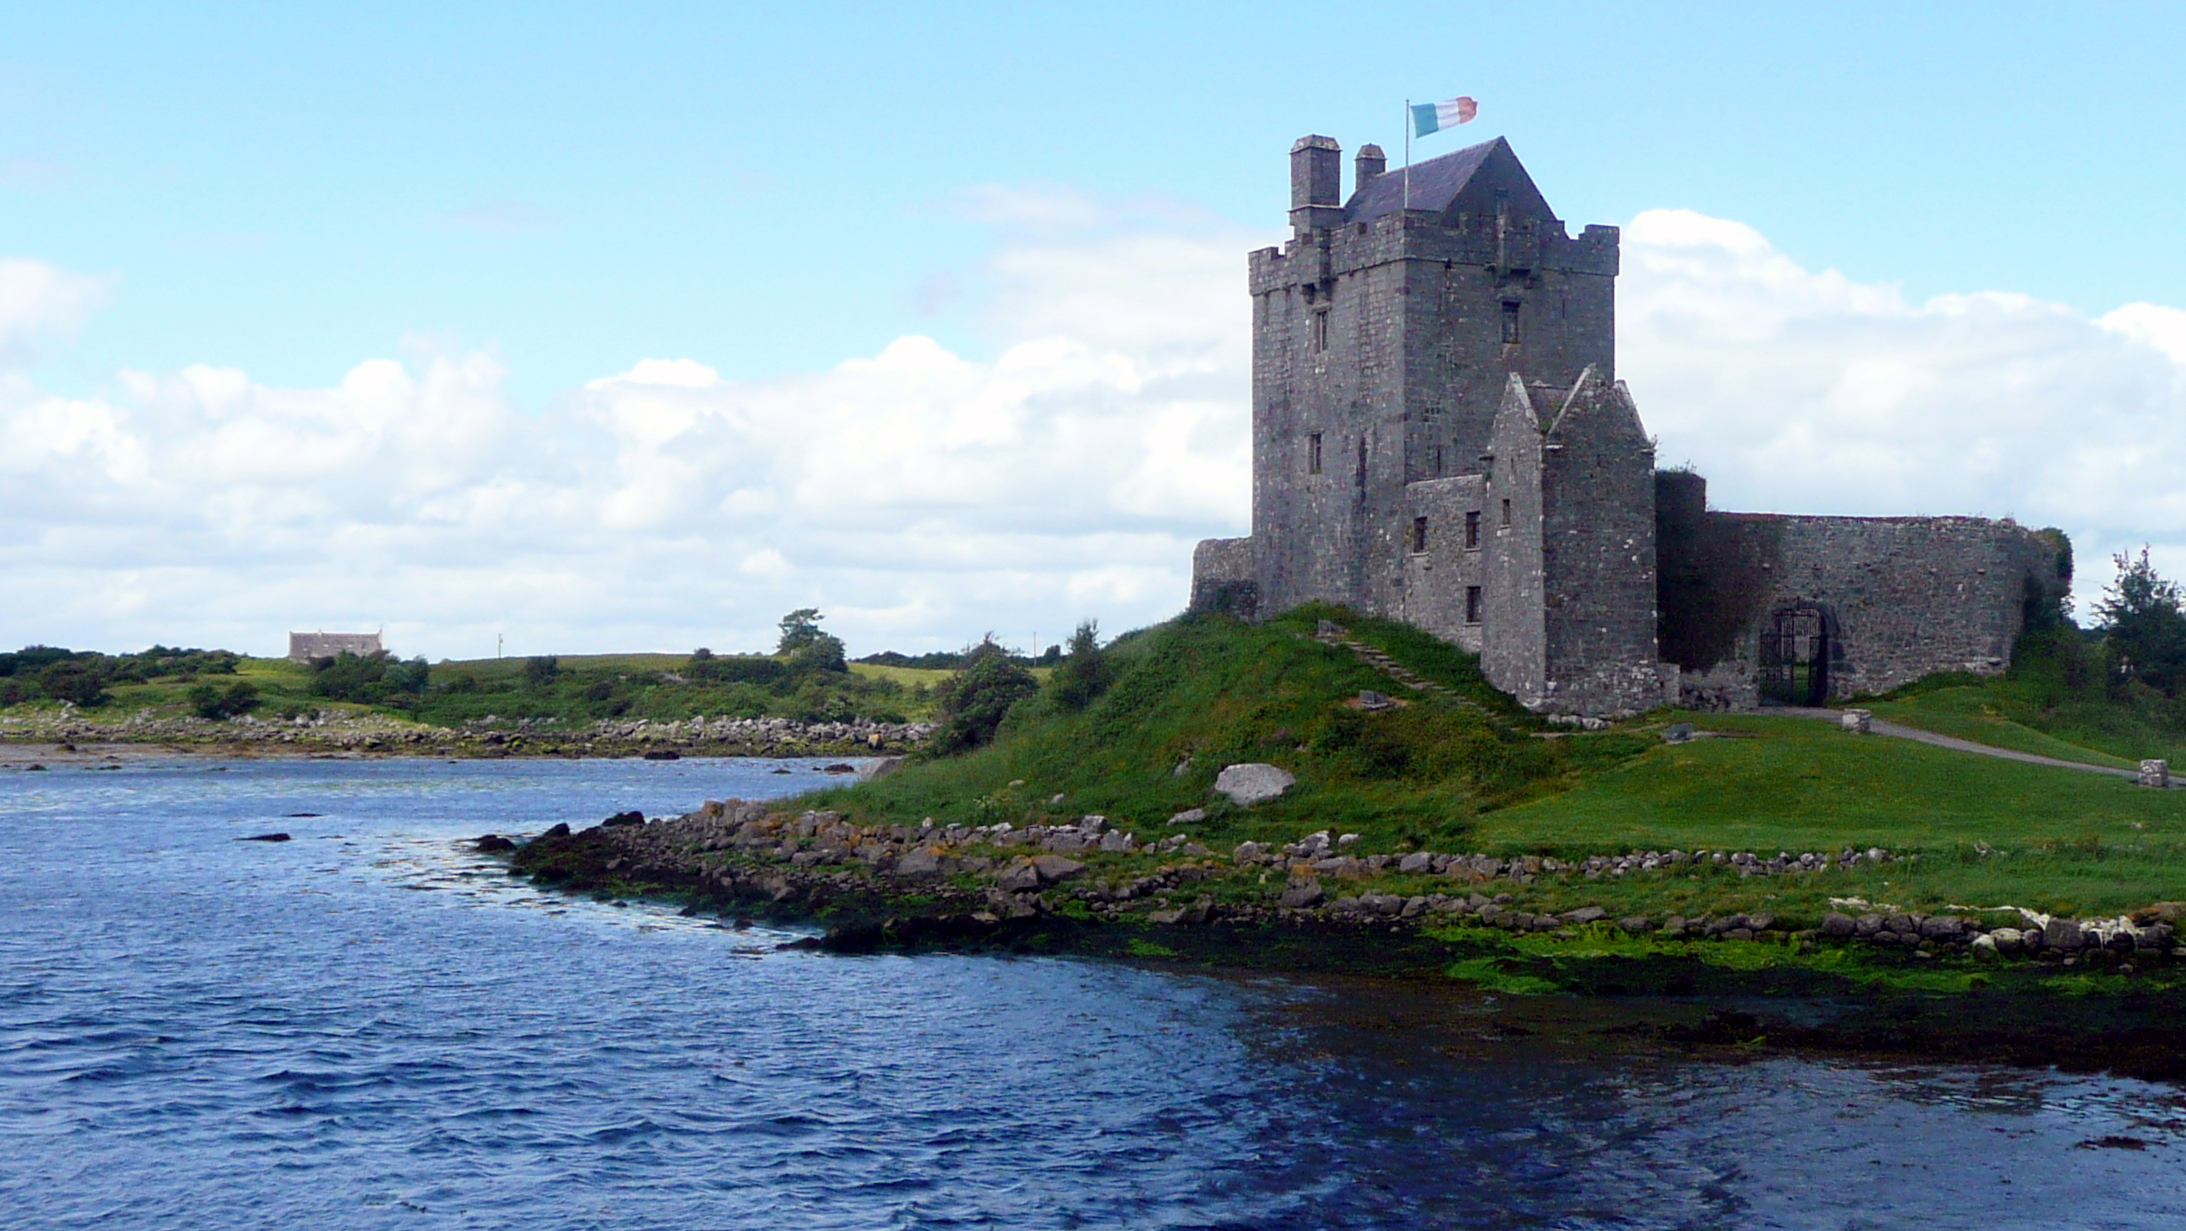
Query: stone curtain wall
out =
(1905, 596)
(1222, 578)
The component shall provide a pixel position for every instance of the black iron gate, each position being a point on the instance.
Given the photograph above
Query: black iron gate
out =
(1795, 657)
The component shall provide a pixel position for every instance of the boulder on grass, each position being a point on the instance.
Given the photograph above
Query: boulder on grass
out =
(1253, 783)
(1053, 868)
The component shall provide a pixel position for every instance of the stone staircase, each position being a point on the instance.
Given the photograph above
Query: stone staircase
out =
(1330, 633)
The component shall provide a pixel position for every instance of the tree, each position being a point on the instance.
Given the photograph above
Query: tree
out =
(2143, 620)
(974, 701)
(799, 629)
(823, 653)
(1086, 672)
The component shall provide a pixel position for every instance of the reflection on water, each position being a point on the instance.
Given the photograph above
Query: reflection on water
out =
(369, 1026)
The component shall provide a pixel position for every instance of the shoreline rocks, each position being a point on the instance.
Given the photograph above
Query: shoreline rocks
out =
(377, 734)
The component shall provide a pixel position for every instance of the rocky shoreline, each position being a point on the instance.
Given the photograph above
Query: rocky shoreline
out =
(343, 732)
(1087, 888)
(742, 851)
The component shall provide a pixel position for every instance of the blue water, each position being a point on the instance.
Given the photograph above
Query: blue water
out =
(370, 1027)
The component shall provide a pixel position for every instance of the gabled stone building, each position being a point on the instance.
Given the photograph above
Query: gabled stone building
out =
(1439, 436)
(308, 647)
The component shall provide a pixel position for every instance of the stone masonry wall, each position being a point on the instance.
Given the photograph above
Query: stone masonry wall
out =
(1598, 555)
(1380, 352)
(1438, 577)
(1904, 597)
(1514, 653)
(1222, 578)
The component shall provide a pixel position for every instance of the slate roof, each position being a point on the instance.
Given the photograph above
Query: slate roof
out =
(1435, 183)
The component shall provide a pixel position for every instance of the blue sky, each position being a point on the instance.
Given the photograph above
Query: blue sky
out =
(286, 188)
(539, 198)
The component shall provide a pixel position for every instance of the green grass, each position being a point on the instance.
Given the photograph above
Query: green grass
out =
(2054, 701)
(587, 688)
(1206, 692)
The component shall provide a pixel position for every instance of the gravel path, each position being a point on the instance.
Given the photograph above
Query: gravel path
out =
(1878, 726)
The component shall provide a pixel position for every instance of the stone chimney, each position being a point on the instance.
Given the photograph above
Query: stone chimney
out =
(1316, 182)
(1371, 162)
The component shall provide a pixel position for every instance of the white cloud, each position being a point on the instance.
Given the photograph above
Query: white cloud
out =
(1798, 391)
(920, 496)
(42, 304)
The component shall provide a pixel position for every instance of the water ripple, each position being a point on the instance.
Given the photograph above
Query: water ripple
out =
(371, 1026)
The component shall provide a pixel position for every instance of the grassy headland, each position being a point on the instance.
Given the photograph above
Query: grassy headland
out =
(1472, 772)
(1483, 846)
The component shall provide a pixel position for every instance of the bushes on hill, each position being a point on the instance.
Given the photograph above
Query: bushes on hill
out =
(82, 677)
(219, 704)
(374, 679)
(75, 680)
(1085, 673)
(735, 669)
(974, 701)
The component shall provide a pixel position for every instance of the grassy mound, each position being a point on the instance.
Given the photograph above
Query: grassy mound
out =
(1471, 772)
(1203, 692)
(2055, 700)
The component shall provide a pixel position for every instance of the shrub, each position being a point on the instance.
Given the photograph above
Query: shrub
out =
(540, 671)
(373, 679)
(220, 704)
(824, 652)
(1086, 673)
(975, 700)
(76, 681)
(32, 659)
(736, 669)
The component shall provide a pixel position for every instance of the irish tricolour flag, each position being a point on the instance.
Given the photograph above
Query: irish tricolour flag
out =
(1434, 117)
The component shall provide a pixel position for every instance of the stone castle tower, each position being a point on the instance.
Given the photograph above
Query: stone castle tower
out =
(1439, 437)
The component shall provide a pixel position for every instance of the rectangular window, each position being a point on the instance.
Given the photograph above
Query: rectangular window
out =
(1320, 331)
(1419, 535)
(1510, 324)
(1434, 458)
(1506, 510)
(1313, 453)
(1472, 604)
(1472, 530)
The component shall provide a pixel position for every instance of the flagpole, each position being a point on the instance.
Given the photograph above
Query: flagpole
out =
(1407, 153)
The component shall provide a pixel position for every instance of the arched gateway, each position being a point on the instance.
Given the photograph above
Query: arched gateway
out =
(1796, 646)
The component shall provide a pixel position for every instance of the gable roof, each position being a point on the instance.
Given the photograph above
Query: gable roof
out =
(1436, 183)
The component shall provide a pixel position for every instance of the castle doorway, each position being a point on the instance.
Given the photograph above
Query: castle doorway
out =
(1795, 651)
